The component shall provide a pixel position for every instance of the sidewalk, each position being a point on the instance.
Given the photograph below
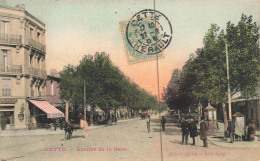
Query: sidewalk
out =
(217, 138)
(37, 132)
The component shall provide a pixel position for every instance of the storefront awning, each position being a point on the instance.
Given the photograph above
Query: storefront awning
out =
(50, 110)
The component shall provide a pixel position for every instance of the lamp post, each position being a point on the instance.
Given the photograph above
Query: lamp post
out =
(229, 95)
(85, 103)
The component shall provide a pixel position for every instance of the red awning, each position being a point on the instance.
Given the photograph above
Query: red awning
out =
(50, 110)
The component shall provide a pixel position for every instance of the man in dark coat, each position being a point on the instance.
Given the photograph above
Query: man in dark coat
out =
(203, 132)
(163, 123)
(231, 130)
(193, 130)
(185, 128)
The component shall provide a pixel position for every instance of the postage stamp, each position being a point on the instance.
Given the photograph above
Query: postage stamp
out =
(149, 32)
(146, 35)
(78, 80)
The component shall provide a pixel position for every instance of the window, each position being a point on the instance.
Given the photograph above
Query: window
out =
(36, 90)
(52, 89)
(5, 27)
(6, 87)
(32, 91)
(6, 60)
(43, 65)
(31, 60)
(9, 116)
(39, 91)
(38, 37)
(31, 33)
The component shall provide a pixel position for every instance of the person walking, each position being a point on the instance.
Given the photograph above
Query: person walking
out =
(163, 123)
(203, 132)
(231, 130)
(193, 130)
(148, 121)
(185, 128)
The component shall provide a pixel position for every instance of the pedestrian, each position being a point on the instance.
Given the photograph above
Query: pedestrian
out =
(185, 128)
(251, 130)
(115, 119)
(203, 132)
(63, 123)
(163, 123)
(193, 130)
(148, 123)
(231, 130)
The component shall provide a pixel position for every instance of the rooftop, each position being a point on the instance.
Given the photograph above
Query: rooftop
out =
(21, 7)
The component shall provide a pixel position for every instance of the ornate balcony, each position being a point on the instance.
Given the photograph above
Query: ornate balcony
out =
(37, 72)
(10, 39)
(11, 69)
(37, 45)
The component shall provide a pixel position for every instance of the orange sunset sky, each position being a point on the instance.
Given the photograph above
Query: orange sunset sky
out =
(79, 27)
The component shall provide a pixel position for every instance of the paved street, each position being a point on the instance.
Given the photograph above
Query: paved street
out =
(126, 141)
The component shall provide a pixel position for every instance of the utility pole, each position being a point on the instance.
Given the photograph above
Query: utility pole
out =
(67, 111)
(229, 95)
(85, 103)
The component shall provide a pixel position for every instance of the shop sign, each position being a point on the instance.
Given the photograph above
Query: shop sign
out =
(21, 116)
(8, 100)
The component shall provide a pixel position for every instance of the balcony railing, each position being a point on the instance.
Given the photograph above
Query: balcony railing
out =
(11, 69)
(6, 92)
(10, 38)
(37, 72)
(36, 45)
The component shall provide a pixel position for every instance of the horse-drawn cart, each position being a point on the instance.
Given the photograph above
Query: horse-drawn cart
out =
(69, 127)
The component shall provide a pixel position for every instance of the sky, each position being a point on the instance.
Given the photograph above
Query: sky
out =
(79, 27)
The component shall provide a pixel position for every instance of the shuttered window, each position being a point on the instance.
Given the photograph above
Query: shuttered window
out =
(5, 27)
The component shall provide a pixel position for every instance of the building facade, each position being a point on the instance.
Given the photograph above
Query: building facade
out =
(23, 68)
(250, 107)
(53, 89)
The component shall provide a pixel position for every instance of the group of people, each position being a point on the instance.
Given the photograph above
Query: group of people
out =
(188, 126)
(249, 130)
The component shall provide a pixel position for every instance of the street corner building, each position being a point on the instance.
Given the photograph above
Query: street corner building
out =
(23, 70)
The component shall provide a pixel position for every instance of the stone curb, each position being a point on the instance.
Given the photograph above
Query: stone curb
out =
(226, 145)
(48, 132)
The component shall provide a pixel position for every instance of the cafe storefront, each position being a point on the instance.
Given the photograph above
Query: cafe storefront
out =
(16, 113)
(12, 113)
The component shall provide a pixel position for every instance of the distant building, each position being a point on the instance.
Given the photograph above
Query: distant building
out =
(53, 89)
(250, 107)
(23, 68)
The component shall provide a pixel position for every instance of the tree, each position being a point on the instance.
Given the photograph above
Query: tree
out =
(106, 86)
(203, 77)
(68, 82)
(244, 54)
(171, 94)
